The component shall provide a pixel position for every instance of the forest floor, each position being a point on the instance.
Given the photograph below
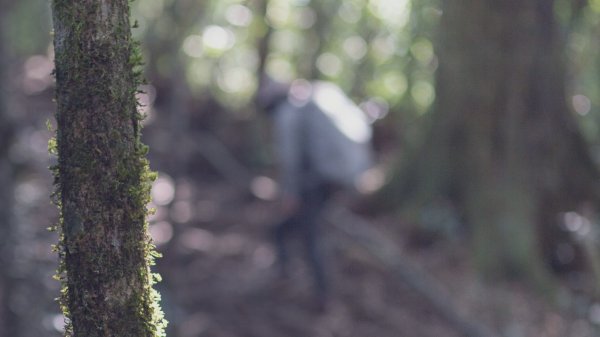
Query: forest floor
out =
(220, 280)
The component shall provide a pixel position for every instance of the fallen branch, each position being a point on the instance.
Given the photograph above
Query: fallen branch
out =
(388, 254)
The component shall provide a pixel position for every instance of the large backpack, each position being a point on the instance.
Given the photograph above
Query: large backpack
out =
(339, 141)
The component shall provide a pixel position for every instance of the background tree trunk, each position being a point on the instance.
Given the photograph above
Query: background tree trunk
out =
(503, 144)
(103, 178)
(9, 322)
(323, 10)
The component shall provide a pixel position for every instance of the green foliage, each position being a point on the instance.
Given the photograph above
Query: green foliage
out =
(24, 32)
(366, 46)
(377, 48)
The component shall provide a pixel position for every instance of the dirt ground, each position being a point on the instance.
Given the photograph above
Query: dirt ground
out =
(220, 280)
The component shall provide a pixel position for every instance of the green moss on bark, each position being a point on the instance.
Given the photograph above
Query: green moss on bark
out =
(102, 177)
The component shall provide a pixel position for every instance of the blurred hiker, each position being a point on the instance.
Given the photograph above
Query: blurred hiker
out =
(323, 144)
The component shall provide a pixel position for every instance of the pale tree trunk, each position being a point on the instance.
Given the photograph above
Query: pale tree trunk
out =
(102, 177)
(503, 145)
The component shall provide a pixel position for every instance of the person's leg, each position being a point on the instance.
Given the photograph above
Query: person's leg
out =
(281, 232)
(315, 201)
(315, 259)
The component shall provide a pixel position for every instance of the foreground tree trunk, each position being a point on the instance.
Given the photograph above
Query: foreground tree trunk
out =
(102, 177)
(504, 145)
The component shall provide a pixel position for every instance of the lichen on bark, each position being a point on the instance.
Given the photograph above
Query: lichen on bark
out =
(102, 177)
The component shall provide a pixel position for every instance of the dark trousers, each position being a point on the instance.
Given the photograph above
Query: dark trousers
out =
(304, 224)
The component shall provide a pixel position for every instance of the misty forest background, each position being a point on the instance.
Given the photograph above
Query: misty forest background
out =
(481, 215)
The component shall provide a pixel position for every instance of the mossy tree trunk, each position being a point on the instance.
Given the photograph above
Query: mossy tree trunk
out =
(102, 175)
(503, 144)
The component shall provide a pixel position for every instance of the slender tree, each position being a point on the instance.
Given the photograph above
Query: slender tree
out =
(102, 175)
(503, 144)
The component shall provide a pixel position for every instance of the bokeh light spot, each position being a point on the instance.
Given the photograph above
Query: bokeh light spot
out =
(329, 64)
(422, 50)
(163, 190)
(161, 232)
(280, 69)
(370, 181)
(193, 46)
(278, 13)
(306, 18)
(355, 47)
(236, 80)
(263, 257)
(181, 211)
(28, 192)
(395, 13)
(350, 12)
(37, 71)
(231, 244)
(375, 108)
(383, 47)
(423, 93)
(264, 188)
(582, 104)
(238, 15)
(217, 39)
(58, 322)
(197, 239)
(395, 84)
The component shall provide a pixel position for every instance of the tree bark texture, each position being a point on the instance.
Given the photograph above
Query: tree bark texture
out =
(504, 146)
(103, 180)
